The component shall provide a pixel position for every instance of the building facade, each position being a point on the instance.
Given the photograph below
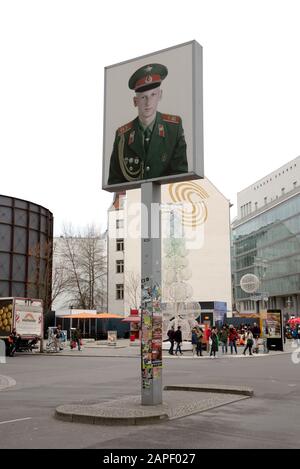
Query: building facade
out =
(266, 241)
(26, 235)
(204, 246)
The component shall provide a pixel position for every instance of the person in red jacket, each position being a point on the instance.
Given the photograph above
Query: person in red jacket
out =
(207, 337)
(232, 337)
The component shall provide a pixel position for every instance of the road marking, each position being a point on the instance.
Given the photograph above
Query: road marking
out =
(6, 382)
(16, 420)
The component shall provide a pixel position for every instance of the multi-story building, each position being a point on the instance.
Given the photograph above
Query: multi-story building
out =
(266, 241)
(206, 247)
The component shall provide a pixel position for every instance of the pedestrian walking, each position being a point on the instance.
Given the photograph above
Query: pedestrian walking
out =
(207, 337)
(199, 333)
(170, 335)
(232, 337)
(77, 338)
(223, 337)
(256, 335)
(57, 338)
(178, 340)
(249, 342)
(214, 345)
(194, 341)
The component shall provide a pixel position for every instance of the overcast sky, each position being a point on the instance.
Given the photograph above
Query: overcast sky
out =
(52, 59)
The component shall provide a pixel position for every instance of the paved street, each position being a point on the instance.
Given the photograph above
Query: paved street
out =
(39, 383)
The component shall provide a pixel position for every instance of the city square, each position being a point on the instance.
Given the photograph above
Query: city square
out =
(149, 228)
(269, 419)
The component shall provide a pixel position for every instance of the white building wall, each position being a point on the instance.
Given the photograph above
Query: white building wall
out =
(208, 255)
(269, 188)
(114, 305)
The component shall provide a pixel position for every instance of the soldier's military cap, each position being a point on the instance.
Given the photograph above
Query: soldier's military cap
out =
(147, 77)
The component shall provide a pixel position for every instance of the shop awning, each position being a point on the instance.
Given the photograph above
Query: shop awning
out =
(86, 315)
(135, 319)
(80, 316)
(109, 316)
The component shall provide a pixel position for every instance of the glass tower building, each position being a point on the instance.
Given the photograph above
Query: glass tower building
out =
(266, 242)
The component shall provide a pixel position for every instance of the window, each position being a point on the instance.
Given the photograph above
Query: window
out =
(265, 200)
(119, 224)
(120, 266)
(119, 291)
(294, 184)
(282, 190)
(256, 205)
(120, 244)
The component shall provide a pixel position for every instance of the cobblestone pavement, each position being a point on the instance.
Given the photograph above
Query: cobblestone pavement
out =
(129, 411)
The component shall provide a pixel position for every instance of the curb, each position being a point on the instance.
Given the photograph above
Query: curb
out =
(218, 388)
(129, 411)
(109, 420)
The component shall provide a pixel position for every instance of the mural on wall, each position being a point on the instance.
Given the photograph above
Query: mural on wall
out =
(188, 211)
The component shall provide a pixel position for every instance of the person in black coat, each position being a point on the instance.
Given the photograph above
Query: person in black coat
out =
(171, 334)
(178, 340)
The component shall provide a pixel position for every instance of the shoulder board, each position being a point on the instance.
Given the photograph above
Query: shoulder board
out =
(170, 118)
(122, 130)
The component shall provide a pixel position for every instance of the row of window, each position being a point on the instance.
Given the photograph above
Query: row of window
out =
(269, 180)
(246, 209)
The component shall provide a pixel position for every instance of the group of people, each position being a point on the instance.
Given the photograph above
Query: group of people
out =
(175, 337)
(58, 338)
(75, 339)
(213, 338)
(229, 336)
(295, 334)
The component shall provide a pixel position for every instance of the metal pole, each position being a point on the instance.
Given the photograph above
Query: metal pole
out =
(151, 317)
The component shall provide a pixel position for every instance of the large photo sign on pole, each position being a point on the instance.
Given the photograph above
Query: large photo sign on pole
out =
(153, 119)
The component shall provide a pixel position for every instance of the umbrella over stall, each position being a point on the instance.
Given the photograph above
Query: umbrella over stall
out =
(294, 321)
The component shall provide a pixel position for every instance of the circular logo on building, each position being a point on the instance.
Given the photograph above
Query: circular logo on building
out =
(249, 283)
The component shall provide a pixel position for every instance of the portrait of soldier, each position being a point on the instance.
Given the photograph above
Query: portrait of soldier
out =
(153, 144)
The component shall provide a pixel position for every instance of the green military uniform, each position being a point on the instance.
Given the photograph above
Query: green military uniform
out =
(154, 151)
(166, 154)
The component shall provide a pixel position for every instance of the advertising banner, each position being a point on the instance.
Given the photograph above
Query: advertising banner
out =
(273, 329)
(28, 317)
(112, 337)
(153, 115)
(272, 324)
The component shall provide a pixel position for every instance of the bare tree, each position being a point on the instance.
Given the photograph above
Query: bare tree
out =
(133, 289)
(40, 272)
(60, 278)
(84, 259)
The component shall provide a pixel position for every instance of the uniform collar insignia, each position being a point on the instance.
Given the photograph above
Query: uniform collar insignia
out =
(131, 137)
(161, 130)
